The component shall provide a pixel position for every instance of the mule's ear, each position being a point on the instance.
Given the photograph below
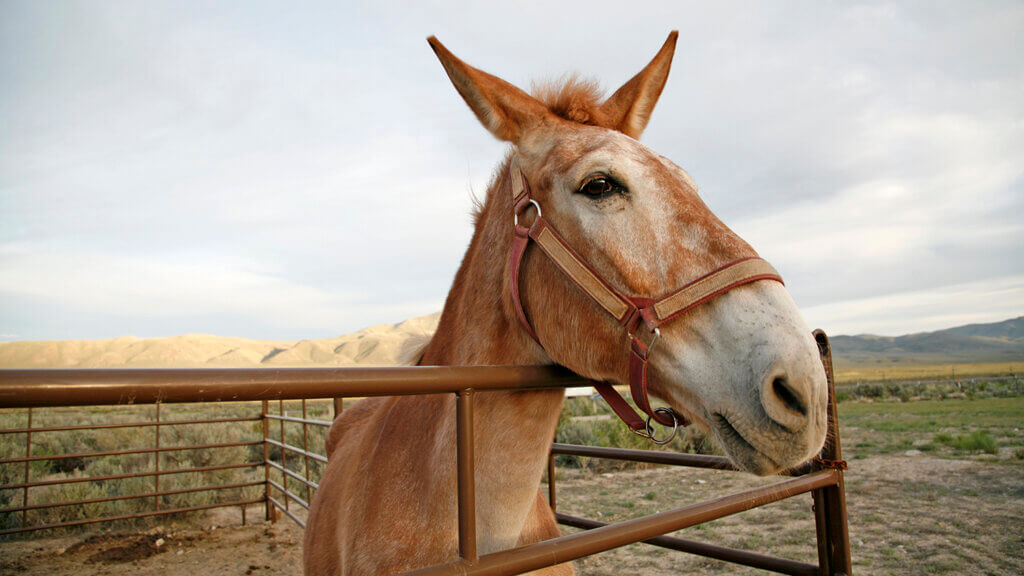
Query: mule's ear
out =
(629, 109)
(505, 110)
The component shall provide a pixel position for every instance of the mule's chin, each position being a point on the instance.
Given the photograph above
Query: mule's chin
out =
(749, 458)
(740, 451)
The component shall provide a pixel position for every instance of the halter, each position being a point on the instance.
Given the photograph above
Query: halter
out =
(629, 312)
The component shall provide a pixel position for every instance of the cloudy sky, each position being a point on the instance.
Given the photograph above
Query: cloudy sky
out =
(262, 170)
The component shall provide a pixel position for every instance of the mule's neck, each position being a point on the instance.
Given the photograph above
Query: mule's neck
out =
(478, 325)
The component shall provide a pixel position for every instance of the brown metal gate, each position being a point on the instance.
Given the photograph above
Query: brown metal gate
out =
(42, 388)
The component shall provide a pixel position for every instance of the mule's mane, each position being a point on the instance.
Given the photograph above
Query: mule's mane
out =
(572, 98)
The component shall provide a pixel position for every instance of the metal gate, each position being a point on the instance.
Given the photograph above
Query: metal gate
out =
(822, 477)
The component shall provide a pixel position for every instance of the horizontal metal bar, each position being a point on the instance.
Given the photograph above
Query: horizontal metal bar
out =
(296, 450)
(130, 451)
(771, 563)
(650, 456)
(131, 496)
(287, 512)
(300, 420)
(573, 546)
(24, 388)
(128, 425)
(289, 495)
(298, 477)
(129, 516)
(130, 475)
(658, 457)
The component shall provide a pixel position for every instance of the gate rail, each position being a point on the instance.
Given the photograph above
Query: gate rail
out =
(38, 388)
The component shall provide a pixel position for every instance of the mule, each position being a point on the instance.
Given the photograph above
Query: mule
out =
(743, 363)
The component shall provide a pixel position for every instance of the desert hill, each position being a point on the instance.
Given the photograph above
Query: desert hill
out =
(993, 342)
(380, 345)
(383, 345)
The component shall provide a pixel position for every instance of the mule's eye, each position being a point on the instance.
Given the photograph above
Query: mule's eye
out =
(600, 187)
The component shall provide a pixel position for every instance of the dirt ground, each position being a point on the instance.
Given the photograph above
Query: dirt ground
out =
(260, 548)
(909, 514)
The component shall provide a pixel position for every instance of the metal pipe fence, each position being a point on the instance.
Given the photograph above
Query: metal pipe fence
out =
(290, 468)
(103, 493)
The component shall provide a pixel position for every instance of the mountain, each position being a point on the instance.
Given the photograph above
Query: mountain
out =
(382, 345)
(390, 344)
(995, 342)
(1012, 330)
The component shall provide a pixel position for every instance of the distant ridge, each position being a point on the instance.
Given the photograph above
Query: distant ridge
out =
(383, 345)
(994, 342)
(380, 345)
(1012, 329)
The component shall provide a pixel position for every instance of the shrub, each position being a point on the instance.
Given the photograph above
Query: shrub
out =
(871, 390)
(612, 433)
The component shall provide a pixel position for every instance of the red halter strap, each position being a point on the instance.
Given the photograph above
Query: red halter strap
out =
(629, 312)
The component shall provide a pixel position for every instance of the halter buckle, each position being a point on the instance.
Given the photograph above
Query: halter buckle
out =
(648, 431)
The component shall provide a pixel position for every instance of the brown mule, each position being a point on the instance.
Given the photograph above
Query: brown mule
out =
(743, 364)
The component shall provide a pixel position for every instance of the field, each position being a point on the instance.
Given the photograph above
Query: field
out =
(847, 372)
(933, 488)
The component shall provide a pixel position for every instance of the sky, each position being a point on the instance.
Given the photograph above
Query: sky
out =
(286, 171)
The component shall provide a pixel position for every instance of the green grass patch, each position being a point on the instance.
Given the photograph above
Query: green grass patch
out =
(977, 441)
(945, 428)
(930, 414)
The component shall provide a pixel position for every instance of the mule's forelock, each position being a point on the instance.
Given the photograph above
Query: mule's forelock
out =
(572, 98)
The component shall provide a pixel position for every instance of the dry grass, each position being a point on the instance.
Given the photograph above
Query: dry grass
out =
(848, 372)
(116, 439)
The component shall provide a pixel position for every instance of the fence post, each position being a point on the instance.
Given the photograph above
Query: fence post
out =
(28, 454)
(268, 506)
(466, 473)
(156, 459)
(284, 455)
(305, 447)
(830, 502)
(551, 479)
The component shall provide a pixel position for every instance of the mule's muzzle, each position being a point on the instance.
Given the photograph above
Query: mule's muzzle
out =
(783, 430)
(790, 402)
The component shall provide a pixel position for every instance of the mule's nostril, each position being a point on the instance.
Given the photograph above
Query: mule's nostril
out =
(789, 398)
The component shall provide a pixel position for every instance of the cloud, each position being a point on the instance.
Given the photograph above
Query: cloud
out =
(923, 310)
(272, 170)
(188, 286)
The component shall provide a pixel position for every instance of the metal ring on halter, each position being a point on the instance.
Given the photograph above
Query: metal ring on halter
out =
(515, 216)
(657, 334)
(648, 431)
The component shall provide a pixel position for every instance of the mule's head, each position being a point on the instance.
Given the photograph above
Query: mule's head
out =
(744, 363)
